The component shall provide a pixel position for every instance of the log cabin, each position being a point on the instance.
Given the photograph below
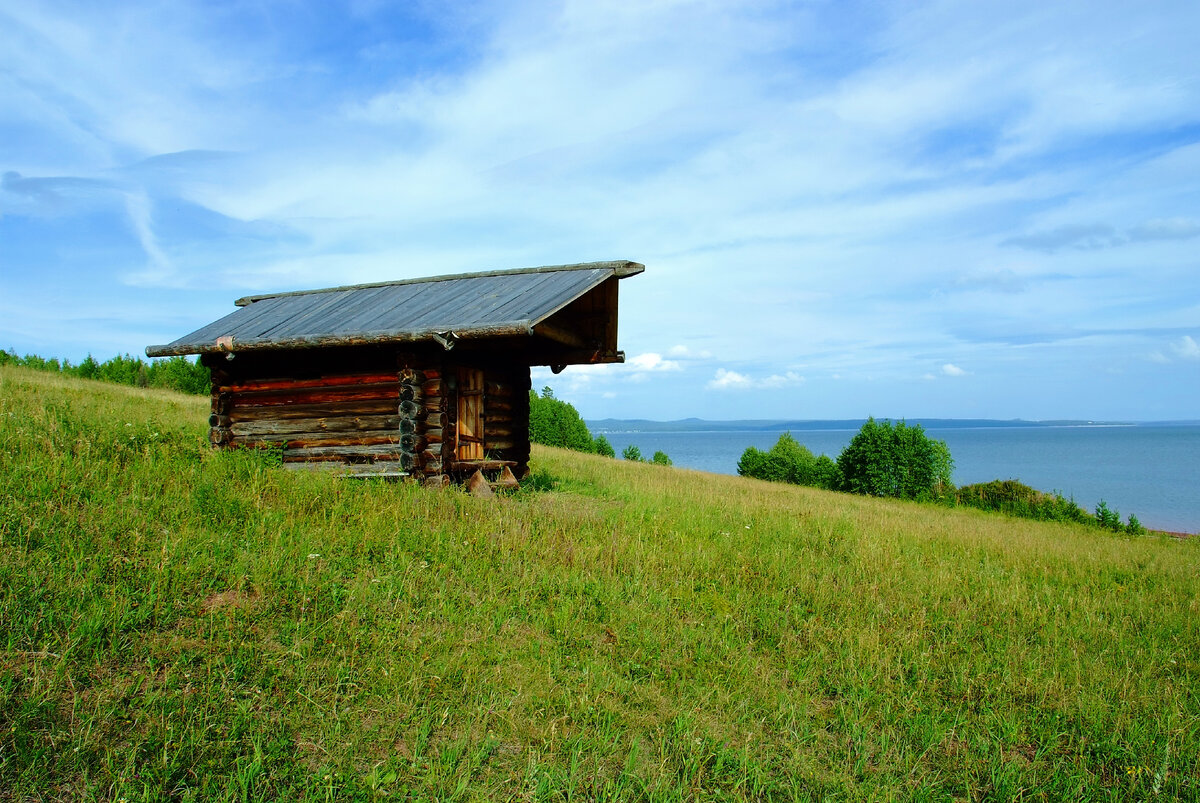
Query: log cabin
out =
(424, 378)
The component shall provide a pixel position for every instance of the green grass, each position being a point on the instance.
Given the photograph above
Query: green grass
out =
(183, 624)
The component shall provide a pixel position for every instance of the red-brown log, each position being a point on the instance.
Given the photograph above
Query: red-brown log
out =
(319, 396)
(316, 425)
(268, 385)
(379, 452)
(343, 410)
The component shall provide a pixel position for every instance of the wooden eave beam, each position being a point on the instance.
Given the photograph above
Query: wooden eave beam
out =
(560, 334)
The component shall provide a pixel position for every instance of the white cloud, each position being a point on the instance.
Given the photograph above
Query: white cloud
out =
(681, 352)
(1186, 348)
(730, 380)
(950, 369)
(725, 379)
(651, 361)
(781, 380)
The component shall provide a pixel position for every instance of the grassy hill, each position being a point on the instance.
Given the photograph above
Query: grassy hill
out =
(178, 623)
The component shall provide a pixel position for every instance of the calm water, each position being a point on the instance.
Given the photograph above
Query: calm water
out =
(1150, 471)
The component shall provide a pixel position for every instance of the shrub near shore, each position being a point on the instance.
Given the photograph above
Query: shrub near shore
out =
(189, 624)
(900, 461)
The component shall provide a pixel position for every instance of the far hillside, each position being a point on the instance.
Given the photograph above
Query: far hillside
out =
(182, 623)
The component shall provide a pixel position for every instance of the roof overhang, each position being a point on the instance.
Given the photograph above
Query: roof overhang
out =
(262, 322)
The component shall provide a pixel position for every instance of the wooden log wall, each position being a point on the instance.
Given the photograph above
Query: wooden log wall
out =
(422, 420)
(402, 416)
(349, 418)
(506, 414)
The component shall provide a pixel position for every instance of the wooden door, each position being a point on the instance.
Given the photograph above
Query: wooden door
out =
(470, 414)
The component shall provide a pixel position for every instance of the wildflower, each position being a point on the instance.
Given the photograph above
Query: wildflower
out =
(312, 555)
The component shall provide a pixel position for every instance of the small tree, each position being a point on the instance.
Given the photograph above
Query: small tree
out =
(556, 423)
(660, 459)
(632, 453)
(603, 447)
(1107, 518)
(897, 460)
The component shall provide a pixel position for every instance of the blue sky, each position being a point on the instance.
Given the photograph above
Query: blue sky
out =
(953, 209)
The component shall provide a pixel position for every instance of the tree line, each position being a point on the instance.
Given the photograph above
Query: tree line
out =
(173, 373)
(898, 460)
(554, 422)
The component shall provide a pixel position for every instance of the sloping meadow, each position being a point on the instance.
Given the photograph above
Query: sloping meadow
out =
(184, 624)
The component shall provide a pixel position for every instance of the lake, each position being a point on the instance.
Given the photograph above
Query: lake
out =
(1149, 470)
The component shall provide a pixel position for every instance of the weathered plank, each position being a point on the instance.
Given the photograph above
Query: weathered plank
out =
(378, 453)
(304, 440)
(354, 470)
(318, 396)
(349, 408)
(268, 385)
(314, 425)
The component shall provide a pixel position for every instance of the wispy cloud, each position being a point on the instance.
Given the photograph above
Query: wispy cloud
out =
(725, 379)
(1076, 235)
(1177, 228)
(1186, 348)
(651, 362)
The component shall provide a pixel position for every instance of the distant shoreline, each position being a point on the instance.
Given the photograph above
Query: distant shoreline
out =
(619, 425)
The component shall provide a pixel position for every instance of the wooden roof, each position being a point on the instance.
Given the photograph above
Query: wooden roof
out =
(442, 308)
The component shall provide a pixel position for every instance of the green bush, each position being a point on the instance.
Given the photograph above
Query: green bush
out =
(895, 460)
(1018, 499)
(632, 453)
(789, 461)
(554, 422)
(660, 459)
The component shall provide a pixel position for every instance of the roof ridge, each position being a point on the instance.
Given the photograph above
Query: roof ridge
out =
(621, 267)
